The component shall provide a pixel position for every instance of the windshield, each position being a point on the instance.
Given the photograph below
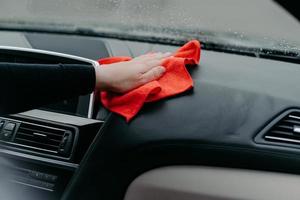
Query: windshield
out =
(251, 23)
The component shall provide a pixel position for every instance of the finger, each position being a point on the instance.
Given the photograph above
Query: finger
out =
(147, 56)
(159, 55)
(150, 53)
(164, 55)
(149, 64)
(157, 60)
(152, 74)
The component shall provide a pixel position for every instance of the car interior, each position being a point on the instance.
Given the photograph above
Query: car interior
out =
(235, 135)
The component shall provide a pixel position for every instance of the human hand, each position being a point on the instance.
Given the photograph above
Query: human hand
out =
(125, 76)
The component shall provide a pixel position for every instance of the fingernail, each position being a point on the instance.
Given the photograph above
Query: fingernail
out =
(162, 70)
(168, 54)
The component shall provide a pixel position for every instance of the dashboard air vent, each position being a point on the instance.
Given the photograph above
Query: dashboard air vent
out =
(284, 130)
(44, 139)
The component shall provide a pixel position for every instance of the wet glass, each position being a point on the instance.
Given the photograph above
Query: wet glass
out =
(254, 22)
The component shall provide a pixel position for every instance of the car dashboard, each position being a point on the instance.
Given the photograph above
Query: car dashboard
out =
(243, 112)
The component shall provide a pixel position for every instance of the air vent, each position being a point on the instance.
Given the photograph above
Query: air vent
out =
(285, 130)
(44, 139)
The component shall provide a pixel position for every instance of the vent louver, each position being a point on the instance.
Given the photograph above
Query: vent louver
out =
(286, 130)
(44, 139)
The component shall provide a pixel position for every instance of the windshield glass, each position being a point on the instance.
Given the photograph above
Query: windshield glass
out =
(252, 23)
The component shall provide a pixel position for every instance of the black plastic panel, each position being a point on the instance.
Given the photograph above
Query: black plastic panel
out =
(39, 175)
(214, 124)
(27, 180)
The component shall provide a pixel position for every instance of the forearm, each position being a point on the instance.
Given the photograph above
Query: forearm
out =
(28, 86)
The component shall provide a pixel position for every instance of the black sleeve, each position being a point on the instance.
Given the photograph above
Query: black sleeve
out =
(28, 86)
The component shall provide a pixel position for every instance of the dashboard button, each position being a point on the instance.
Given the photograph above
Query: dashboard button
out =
(6, 135)
(10, 126)
(7, 130)
(43, 176)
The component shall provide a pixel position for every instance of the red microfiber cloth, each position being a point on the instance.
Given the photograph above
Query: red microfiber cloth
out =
(175, 80)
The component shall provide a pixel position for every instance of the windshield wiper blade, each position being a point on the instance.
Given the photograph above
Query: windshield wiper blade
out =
(275, 55)
(267, 53)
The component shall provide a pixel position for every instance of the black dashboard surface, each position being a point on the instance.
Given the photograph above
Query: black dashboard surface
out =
(214, 124)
